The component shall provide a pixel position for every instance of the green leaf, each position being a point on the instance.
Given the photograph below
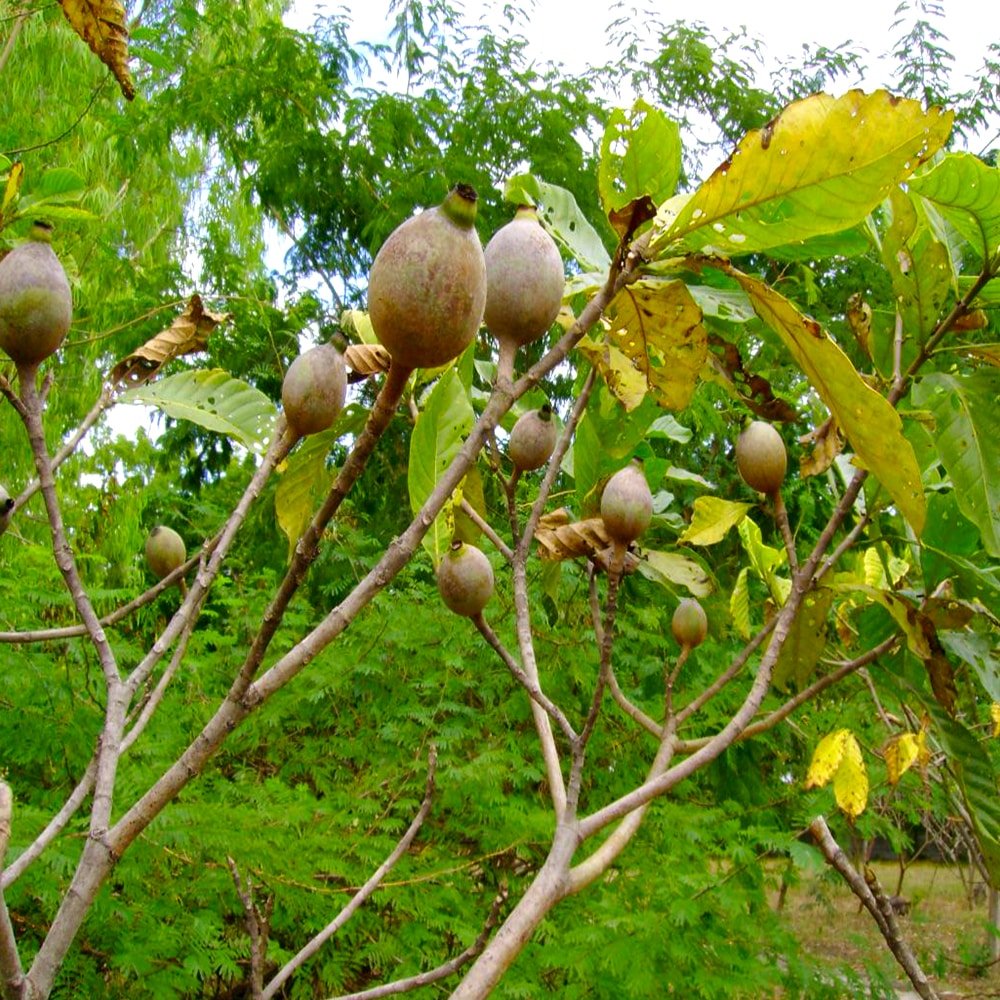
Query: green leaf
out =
(867, 419)
(304, 482)
(711, 520)
(442, 426)
(214, 400)
(981, 652)
(730, 304)
(967, 192)
(668, 427)
(672, 568)
(561, 216)
(967, 434)
(819, 167)
(851, 242)
(640, 156)
(764, 560)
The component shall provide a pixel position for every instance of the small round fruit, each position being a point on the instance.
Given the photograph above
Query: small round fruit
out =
(761, 457)
(427, 285)
(689, 624)
(627, 504)
(36, 305)
(164, 550)
(533, 439)
(465, 579)
(524, 280)
(314, 390)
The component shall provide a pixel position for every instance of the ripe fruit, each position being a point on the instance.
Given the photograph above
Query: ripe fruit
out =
(532, 439)
(689, 624)
(36, 305)
(761, 457)
(164, 550)
(524, 280)
(465, 579)
(427, 286)
(314, 389)
(627, 504)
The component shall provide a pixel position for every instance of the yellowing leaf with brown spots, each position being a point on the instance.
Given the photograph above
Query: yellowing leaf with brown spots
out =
(850, 783)
(624, 380)
(656, 324)
(826, 758)
(901, 753)
(101, 24)
(819, 167)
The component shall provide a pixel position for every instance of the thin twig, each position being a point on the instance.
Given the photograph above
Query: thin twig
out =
(258, 924)
(501, 546)
(19, 19)
(781, 517)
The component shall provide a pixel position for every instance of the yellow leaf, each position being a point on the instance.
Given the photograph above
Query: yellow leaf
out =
(739, 603)
(101, 24)
(995, 716)
(850, 784)
(869, 422)
(656, 324)
(712, 519)
(624, 380)
(826, 758)
(13, 186)
(923, 751)
(874, 570)
(901, 753)
(674, 568)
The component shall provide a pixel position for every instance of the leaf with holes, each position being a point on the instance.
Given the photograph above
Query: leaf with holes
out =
(806, 641)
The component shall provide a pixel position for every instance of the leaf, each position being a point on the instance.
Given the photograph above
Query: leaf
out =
(981, 652)
(640, 156)
(215, 400)
(901, 753)
(442, 426)
(668, 427)
(304, 481)
(620, 375)
(13, 186)
(850, 784)
(561, 216)
(827, 445)
(364, 360)
(471, 486)
(967, 435)
(995, 716)
(967, 192)
(826, 758)
(867, 419)
(819, 167)
(806, 641)
(739, 603)
(764, 560)
(711, 519)
(668, 568)
(188, 334)
(101, 24)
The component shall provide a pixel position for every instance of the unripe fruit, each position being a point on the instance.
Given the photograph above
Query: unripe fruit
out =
(314, 390)
(627, 504)
(761, 457)
(465, 579)
(532, 439)
(36, 305)
(164, 550)
(689, 624)
(524, 280)
(427, 286)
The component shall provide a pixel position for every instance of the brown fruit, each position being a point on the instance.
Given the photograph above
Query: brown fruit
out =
(627, 504)
(427, 286)
(524, 280)
(36, 305)
(532, 439)
(164, 550)
(689, 624)
(761, 457)
(314, 390)
(465, 579)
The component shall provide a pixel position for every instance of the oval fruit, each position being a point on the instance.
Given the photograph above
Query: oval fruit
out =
(524, 280)
(465, 579)
(314, 389)
(164, 550)
(427, 285)
(689, 624)
(36, 305)
(627, 504)
(532, 439)
(761, 457)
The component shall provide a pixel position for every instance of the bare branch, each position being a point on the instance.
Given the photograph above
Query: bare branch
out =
(10, 960)
(258, 924)
(501, 546)
(870, 893)
(781, 517)
(364, 892)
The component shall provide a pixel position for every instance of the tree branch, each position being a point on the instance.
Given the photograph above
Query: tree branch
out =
(10, 960)
(258, 924)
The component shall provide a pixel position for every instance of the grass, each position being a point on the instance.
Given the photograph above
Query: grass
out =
(948, 936)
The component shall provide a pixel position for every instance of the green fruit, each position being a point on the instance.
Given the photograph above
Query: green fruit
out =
(314, 390)
(627, 504)
(465, 579)
(761, 457)
(36, 305)
(689, 624)
(427, 286)
(524, 280)
(533, 439)
(164, 550)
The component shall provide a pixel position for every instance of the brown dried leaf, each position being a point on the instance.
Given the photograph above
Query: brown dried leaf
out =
(627, 219)
(753, 389)
(188, 333)
(827, 445)
(101, 24)
(859, 318)
(365, 360)
(567, 541)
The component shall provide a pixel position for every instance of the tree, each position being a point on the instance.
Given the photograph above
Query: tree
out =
(696, 302)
